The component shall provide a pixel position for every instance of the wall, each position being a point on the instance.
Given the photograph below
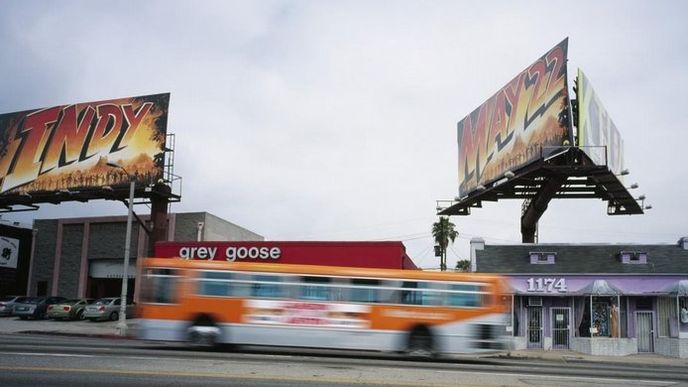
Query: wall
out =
(217, 229)
(106, 240)
(214, 229)
(518, 343)
(44, 256)
(70, 261)
(601, 346)
(672, 347)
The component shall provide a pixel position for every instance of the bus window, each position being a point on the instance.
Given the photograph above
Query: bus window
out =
(464, 295)
(364, 290)
(430, 295)
(267, 286)
(420, 293)
(410, 297)
(315, 288)
(159, 286)
(213, 283)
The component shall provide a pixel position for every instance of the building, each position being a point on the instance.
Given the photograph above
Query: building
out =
(606, 299)
(15, 254)
(83, 257)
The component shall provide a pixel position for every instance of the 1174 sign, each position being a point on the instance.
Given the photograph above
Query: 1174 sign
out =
(547, 285)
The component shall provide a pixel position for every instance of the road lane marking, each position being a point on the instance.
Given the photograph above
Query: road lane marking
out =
(317, 378)
(305, 378)
(45, 354)
(546, 376)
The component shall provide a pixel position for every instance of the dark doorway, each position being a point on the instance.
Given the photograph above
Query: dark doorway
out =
(108, 287)
(42, 288)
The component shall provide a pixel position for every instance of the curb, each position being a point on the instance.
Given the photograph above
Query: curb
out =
(73, 334)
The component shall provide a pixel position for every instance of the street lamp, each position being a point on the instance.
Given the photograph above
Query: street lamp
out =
(122, 324)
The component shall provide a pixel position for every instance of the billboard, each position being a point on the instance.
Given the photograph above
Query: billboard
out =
(522, 123)
(597, 134)
(67, 147)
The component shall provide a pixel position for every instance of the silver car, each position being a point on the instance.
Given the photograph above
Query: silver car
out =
(106, 309)
(7, 304)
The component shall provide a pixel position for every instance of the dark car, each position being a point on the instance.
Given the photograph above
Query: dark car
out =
(7, 304)
(35, 307)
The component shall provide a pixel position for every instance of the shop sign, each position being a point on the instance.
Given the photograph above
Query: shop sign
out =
(547, 285)
(231, 253)
(9, 252)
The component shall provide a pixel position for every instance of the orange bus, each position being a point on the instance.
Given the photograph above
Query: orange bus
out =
(418, 312)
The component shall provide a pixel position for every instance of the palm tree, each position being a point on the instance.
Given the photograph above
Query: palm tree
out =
(443, 231)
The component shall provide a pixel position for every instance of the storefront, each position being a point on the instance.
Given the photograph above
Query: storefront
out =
(595, 299)
(600, 315)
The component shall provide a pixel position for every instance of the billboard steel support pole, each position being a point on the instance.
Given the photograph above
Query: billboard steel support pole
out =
(122, 324)
(538, 206)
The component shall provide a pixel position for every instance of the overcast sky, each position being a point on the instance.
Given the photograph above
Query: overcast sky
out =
(336, 120)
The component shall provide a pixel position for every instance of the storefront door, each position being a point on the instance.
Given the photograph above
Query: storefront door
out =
(645, 331)
(534, 327)
(561, 328)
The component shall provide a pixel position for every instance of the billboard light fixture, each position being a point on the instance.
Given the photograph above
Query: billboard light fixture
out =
(509, 175)
(634, 186)
(480, 187)
(648, 207)
(624, 172)
(641, 197)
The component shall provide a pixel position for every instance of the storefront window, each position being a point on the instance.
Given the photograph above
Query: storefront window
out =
(582, 315)
(605, 317)
(683, 313)
(666, 317)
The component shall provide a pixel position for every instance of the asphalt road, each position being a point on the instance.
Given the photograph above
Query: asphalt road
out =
(31, 360)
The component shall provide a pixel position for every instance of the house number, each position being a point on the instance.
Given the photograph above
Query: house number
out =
(547, 285)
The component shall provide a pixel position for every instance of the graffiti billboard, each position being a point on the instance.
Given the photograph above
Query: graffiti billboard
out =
(523, 122)
(597, 134)
(67, 148)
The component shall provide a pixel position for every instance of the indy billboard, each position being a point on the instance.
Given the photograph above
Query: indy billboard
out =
(597, 134)
(66, 148)
(522, 123)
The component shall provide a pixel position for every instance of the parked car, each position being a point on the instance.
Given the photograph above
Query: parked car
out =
(7, 304)
(106, 309)
(35, 307)
(69, 309)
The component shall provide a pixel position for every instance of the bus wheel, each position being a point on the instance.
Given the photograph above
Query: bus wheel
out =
(420, 343)
(203, 333)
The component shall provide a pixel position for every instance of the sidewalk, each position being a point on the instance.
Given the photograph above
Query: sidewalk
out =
(9, 325)
(13, 325)
(567, 356)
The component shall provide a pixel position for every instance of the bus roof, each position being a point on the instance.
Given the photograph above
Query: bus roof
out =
(319, 270)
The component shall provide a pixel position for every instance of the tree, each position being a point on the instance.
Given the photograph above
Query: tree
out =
(463, 265)
(443, 231)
